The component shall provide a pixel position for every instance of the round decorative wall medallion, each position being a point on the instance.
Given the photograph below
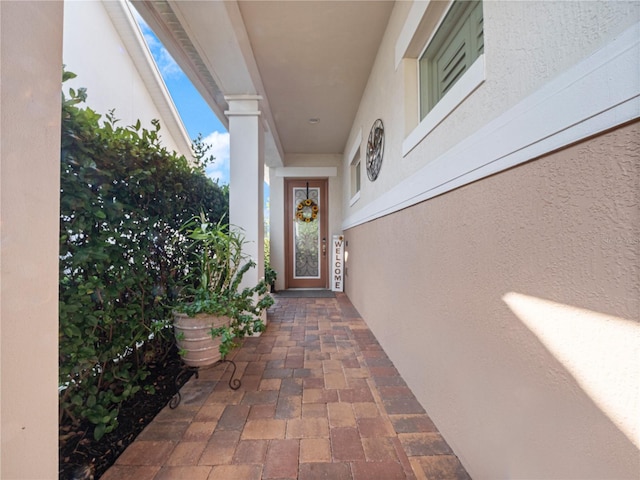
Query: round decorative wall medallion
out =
(375, 149)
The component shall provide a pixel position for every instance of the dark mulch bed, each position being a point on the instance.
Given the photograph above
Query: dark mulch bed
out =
(81, 456)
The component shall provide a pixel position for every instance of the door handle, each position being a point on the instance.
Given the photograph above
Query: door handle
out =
(324, 247)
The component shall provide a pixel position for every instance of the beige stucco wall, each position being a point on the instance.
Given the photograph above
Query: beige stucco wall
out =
(30, 62)
(527, 44)
(510, 305)
(511, 308)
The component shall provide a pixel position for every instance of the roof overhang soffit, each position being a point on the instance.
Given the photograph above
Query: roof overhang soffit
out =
(210, 43)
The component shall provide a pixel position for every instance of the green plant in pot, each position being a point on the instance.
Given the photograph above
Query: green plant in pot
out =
(213, 314)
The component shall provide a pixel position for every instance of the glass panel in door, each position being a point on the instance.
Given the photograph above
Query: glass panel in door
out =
(306, 244)
(306, 233)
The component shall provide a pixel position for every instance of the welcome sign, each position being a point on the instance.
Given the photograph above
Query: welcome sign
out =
(337, 263)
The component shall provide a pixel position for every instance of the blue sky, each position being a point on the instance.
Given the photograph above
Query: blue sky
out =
(194, 111)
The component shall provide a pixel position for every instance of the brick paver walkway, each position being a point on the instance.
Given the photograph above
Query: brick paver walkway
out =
(319, 400)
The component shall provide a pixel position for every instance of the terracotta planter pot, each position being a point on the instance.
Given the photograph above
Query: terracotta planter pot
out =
(193, 336)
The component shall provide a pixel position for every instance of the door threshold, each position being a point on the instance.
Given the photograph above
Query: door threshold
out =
(305, 289)
(305, 293)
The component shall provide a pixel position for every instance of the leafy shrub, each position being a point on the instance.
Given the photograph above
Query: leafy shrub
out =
(124, 198)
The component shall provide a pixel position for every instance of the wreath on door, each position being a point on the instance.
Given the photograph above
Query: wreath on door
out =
(307, 210)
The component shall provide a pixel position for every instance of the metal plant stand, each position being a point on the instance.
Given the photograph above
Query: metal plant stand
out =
(234, 383)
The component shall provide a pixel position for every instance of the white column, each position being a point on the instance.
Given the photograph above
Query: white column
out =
(246, 185)
(31, 66)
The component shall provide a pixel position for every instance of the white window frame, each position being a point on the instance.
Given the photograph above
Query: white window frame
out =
(468, 83)
(461, 24)
(415, 38)
(356, 181)
(355, 159)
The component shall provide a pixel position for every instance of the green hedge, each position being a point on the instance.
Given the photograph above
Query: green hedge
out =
(123, 200)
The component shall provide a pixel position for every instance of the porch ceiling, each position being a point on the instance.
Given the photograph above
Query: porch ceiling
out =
(308, 59)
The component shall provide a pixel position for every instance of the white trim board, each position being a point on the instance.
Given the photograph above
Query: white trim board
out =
(307, 172)
(597, 94)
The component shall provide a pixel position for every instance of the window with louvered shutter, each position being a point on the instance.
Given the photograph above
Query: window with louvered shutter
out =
(458, 42)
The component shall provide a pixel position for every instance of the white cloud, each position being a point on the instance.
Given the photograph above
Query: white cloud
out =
(219, 142)
(167, 65)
